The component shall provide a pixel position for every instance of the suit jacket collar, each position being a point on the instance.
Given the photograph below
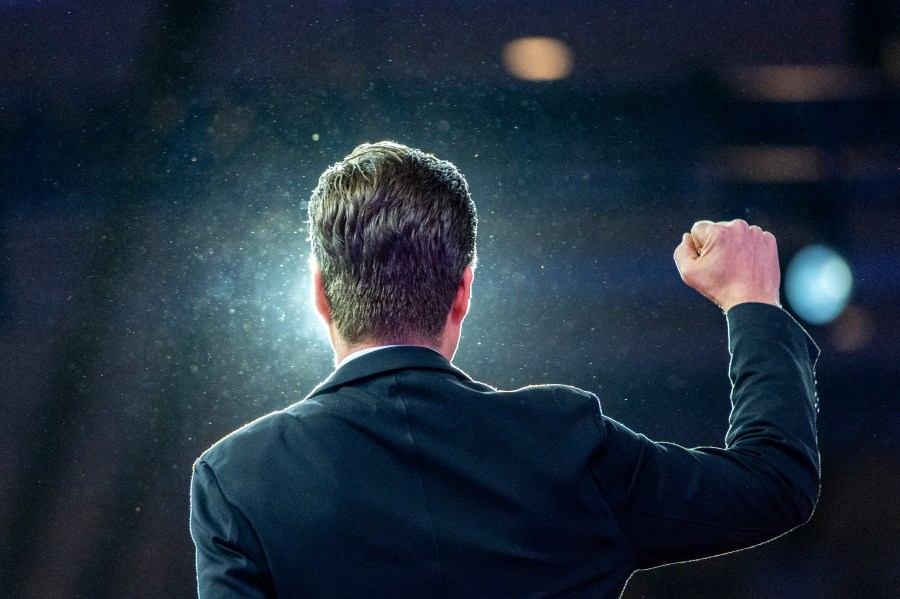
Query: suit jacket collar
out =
(384, 361)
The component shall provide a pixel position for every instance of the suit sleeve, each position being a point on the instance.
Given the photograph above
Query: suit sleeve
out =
(230, 560)
(675, 504)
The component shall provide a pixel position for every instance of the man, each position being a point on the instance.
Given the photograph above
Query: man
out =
(399, 476)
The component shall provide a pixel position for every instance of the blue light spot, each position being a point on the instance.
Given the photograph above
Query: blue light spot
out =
(818, 283)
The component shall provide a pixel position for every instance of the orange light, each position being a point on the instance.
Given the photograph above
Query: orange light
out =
(853, 330)
(538, 58)
(801, 83)
(774, 164)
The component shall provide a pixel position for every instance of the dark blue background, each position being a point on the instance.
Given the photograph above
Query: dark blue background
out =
(156, 162)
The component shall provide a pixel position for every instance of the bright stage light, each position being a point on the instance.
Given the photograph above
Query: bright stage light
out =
(303, 302)
(818, 283)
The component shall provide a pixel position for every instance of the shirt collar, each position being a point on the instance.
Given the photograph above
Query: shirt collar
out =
(361, 352)
(391, 359)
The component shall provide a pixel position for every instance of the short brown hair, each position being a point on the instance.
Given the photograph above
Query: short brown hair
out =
(392, 229)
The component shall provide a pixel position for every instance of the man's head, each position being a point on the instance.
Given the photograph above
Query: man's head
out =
(393, 230)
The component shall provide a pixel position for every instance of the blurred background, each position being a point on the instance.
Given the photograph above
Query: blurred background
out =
(156, 162)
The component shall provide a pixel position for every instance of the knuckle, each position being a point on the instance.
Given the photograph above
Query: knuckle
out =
(700, 224)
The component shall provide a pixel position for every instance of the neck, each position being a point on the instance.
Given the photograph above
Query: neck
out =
(445, 345)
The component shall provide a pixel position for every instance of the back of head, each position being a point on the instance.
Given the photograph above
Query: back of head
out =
(392, 230)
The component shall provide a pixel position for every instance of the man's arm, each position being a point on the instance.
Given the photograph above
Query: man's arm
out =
(230, 561)
(675, 504)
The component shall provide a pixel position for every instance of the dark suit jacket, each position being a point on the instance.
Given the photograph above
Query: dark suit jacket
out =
(399, 476)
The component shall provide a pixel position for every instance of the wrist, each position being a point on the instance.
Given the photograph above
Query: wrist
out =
(752, 300)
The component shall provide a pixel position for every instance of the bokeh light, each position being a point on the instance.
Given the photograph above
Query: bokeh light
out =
(853, 330)
(802, 83)
(818, 283)
(774, 164)
(538, 58)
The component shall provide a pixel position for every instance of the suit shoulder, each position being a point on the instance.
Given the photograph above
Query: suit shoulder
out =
(555, 389)
(255, 434)
(560, 395)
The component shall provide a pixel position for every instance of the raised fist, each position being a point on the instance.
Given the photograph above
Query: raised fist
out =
(730, 263)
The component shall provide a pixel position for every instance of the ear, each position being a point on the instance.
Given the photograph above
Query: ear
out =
(460, 306)
(318, 290)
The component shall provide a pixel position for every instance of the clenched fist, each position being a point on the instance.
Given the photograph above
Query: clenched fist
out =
(730, 263)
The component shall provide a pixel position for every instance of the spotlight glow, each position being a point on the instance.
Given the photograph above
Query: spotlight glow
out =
(818, 283)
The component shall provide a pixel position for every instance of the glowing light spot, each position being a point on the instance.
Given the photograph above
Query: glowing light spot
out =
(802, 83)
(818, 283)
(854, 329)
(315, 137)
(774, 164)
(302, 301)
(538, 58)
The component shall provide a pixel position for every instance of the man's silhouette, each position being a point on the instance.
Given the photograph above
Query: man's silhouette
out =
(399, 476)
